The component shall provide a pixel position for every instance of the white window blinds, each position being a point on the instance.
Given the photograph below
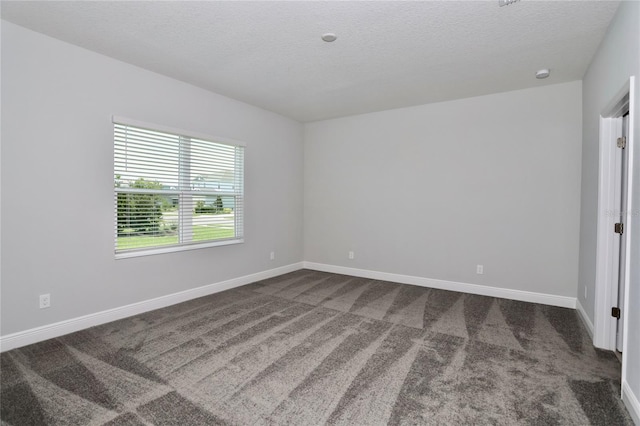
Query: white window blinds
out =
(174, 190)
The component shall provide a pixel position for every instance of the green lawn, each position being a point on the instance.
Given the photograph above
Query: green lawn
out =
(200, 233)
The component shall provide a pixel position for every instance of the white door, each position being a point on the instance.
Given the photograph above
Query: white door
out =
(623, 221)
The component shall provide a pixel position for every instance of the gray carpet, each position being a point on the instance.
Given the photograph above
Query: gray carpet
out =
(312, 348)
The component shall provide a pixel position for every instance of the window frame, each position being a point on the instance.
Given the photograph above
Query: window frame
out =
(239, 197)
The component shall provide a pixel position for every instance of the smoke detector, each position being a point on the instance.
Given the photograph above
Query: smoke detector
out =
(543, 73)
(329, 37)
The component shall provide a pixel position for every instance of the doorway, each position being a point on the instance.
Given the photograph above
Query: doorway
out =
(612, 252)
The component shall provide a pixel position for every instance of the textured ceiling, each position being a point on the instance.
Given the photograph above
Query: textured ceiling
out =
(388, 54)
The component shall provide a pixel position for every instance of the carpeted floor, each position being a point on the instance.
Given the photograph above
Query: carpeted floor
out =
(311, 348)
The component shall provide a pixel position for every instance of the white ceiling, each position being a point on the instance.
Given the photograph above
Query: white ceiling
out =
(388, 54)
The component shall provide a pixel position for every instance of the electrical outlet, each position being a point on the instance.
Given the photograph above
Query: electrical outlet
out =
(351, 255)
(479, 269)
(272, 256)
(45, 301)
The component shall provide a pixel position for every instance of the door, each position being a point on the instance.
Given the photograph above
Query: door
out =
(624, 167)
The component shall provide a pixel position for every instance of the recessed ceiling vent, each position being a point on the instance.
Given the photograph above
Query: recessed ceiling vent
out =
(506, 2)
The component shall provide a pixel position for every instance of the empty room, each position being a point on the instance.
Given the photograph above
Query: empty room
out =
(319, 212)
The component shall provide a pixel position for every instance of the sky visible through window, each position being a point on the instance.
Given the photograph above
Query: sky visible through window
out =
(156, 156)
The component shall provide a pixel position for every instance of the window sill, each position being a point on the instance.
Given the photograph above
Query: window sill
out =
(172, 249)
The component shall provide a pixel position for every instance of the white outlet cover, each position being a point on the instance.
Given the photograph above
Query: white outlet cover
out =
(45, 301)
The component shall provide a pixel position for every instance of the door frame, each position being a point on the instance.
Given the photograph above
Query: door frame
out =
(606, 288)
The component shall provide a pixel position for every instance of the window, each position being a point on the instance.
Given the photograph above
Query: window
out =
(174, 191)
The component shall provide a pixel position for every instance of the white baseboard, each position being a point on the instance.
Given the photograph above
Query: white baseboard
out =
(503, 293)
(38, 334)
(585, 319)
(631, 402)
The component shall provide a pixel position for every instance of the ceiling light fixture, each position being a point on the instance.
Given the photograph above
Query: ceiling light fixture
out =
(506, 2)
(329, 37)
(543, 73)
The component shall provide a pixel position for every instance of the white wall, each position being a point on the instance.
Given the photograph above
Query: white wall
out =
(433, 190)
(57, 182)
(617, 58)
